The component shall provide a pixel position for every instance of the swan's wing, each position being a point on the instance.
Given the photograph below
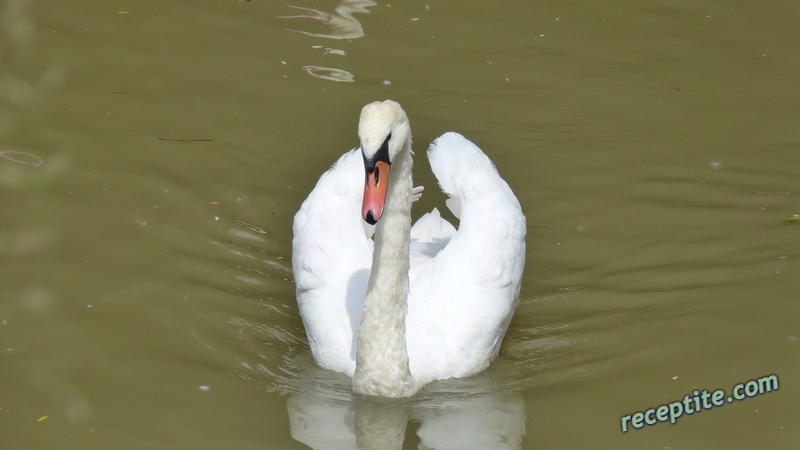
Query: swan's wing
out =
(462, 303)
(331, 259)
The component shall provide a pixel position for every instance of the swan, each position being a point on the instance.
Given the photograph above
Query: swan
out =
(393, 306)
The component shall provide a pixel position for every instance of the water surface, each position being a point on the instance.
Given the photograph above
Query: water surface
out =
(154, 153)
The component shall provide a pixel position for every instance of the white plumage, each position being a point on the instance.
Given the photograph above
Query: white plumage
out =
(438, 300)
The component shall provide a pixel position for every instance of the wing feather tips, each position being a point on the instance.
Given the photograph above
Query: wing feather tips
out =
(466, 174)
(450, 155)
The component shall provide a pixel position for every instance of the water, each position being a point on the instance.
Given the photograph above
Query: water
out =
(154, 154)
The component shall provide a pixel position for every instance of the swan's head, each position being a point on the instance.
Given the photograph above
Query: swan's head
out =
(384, 133)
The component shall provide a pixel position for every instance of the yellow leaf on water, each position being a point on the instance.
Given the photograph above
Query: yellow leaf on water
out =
(42, 418)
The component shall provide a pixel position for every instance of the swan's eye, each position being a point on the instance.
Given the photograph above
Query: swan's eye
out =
(382, 155)
(383, 152)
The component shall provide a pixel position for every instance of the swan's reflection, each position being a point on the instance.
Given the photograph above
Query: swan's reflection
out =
(473, 413)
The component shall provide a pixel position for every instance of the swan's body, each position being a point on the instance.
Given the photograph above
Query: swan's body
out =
(430, 302)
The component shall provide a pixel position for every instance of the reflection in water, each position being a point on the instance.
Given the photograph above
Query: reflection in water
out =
(334, 51)
(475, 413)
(343, 24)
(329, 73)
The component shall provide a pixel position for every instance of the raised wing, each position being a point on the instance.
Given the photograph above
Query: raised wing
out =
(462, 302)
(331, 260)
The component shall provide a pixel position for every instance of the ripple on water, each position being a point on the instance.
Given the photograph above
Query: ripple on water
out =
(22, 157)
(329, 73)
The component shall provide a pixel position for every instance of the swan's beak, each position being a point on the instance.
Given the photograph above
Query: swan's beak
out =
(375, 192)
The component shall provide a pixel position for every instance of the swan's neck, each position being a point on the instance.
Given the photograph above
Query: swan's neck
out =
(382, 358)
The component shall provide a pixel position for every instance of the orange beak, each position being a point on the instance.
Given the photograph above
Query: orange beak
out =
(375, 192)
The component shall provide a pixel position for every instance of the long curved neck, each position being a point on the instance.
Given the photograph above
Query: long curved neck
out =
(382, 358)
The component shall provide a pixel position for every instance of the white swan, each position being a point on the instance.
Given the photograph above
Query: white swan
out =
(429, 302)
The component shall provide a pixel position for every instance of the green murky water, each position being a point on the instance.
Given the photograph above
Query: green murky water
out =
(152, 155)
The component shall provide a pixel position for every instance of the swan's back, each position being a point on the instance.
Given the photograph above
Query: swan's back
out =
(461, 303)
